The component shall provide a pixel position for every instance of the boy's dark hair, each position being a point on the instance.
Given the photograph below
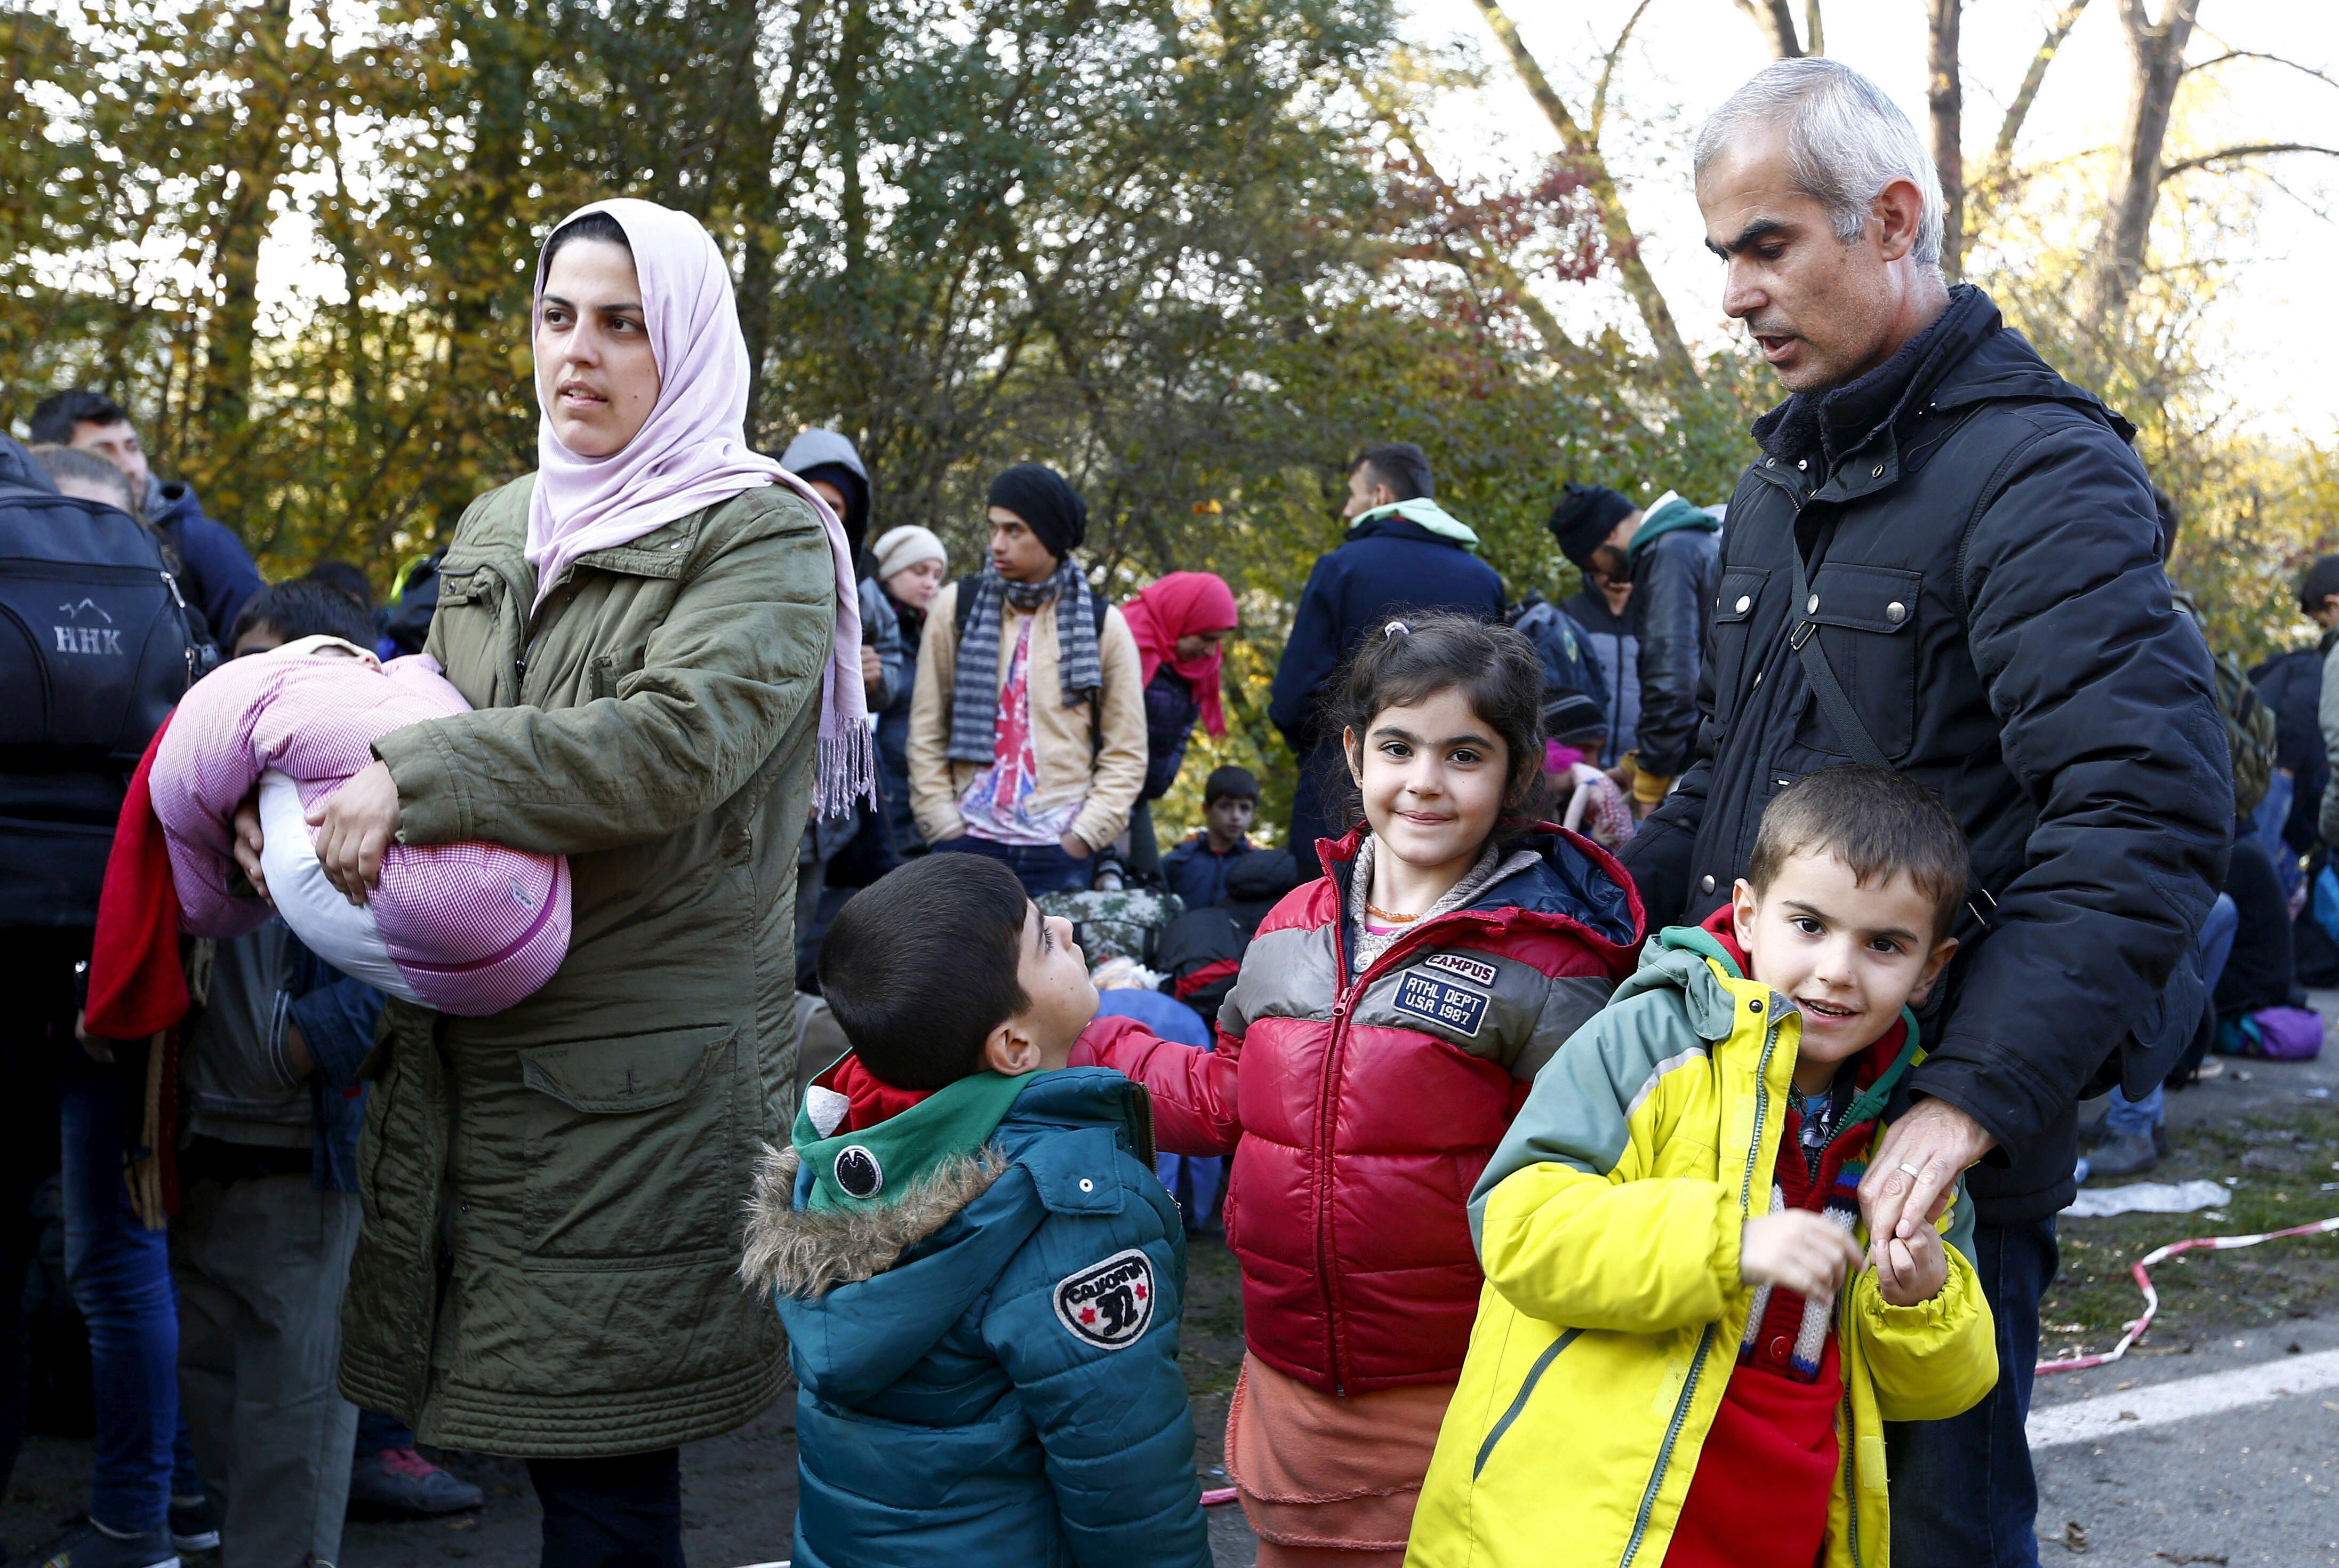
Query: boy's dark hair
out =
(1223, 783)
(591, 226)
(54, 416)
(1416, 655)
(72, 463)
(301, 608)
(918, 967)
(345, 576)
(1878, 822)
(1403, 466)
(2320, 581)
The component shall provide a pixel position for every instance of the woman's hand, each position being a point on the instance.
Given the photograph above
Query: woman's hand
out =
(1911, 1272)
(1076, 847)
(247, 843)
(872, 671)
(356, 825)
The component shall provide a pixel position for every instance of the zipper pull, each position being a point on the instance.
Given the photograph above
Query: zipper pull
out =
(171, 583)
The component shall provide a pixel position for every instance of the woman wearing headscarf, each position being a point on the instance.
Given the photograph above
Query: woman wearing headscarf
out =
(658, 630)
(1182, 621)
(1027, 730)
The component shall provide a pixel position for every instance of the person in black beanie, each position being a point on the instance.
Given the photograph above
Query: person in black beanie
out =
(1027, 722)
(1671, 553)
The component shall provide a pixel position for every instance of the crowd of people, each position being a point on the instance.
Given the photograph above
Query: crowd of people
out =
(1637, 1081)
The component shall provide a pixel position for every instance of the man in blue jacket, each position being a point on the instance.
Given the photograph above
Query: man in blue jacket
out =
(1403, 554)
(219, 574)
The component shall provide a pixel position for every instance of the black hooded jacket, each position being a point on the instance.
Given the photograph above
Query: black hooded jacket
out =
(1980, 543)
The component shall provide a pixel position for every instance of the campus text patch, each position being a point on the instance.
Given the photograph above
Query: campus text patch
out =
(1108, 1304)
(1442, 1003)
(1476, 971)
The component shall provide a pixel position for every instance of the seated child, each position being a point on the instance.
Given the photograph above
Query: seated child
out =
(1681, 1186)
(464, 928)
(1196, 870)
(980, 1278)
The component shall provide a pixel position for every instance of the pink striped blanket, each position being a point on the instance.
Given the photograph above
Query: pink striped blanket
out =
(463, 928)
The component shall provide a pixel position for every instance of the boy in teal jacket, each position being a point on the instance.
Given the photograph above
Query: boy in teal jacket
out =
(980, 1277)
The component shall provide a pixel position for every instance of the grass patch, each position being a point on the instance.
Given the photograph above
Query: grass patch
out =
(2279, 1167)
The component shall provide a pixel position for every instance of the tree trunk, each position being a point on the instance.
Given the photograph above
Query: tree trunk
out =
(1776, 20)
(2156, 64)
(1624, 245)
(257, 155)
(1944, 97)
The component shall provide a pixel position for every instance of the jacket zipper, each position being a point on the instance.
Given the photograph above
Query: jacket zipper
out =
(1327, 1094)
(1706, 1340)
(1519, 1401)
(1851, 1484)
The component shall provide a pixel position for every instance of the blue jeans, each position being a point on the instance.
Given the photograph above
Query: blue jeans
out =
(2137, 1118)
(1040, 867)
(1963, 1495)
(121, 1277)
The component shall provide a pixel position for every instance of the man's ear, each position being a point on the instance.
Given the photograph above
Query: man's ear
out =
(1742, 906)
(1935, 962)
(1898, 212)
(1010, 1050)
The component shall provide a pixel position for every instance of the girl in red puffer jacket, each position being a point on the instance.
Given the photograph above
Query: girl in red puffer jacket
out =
(1388, 1022)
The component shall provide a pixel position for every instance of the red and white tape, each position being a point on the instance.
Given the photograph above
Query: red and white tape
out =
(2143, 1278)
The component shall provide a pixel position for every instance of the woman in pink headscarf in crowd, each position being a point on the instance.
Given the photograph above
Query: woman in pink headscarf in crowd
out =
(1182, 622)
(658, 634)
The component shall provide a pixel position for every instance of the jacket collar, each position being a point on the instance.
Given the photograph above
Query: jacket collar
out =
(1966, 357)
(1698, 960)
(1572, 883)
(1428, 515)
(1667, 514)
(1386, 523)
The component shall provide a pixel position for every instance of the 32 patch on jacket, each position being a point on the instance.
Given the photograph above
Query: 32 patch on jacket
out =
(1442, 1003)
(1108, 1304)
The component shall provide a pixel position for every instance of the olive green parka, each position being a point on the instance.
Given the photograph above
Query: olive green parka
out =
(553, 1196)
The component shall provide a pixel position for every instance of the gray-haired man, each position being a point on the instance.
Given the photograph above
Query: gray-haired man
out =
(1946, 562)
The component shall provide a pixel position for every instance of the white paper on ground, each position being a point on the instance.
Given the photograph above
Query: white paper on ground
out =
(2147, 1197)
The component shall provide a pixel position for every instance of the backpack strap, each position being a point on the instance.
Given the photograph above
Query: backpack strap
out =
(1841, 714)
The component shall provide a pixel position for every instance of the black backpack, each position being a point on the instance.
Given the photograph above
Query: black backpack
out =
(97, 644)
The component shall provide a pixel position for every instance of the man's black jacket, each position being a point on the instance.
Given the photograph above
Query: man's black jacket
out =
(1980, 543)
(1673, 601)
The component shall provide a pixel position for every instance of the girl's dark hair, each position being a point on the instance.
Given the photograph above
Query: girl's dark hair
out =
(1416, 655)
(591, 226)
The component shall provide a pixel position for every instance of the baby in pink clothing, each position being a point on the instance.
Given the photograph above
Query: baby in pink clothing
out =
(463, 928)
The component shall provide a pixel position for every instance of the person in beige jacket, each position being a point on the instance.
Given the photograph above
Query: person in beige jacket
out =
(1027, 729)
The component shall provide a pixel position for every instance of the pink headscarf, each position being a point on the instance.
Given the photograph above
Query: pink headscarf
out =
(692, 453)
(1174, 605)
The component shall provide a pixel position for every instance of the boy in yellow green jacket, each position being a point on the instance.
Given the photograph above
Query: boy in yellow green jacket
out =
(1686, 1347)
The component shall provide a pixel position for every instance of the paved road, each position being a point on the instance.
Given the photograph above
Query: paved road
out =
(2138, 1480)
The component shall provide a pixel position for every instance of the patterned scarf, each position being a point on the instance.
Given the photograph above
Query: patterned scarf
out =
(1818, 1172)
(974, 694)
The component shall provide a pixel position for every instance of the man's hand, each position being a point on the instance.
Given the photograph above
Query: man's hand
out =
(247, 843)
(1909, 1273)
(1076, 847)
(356, 825)
(1937, 1141)
(1797, 1250)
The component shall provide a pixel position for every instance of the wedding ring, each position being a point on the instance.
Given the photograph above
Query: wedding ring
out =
(1910, 1168)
